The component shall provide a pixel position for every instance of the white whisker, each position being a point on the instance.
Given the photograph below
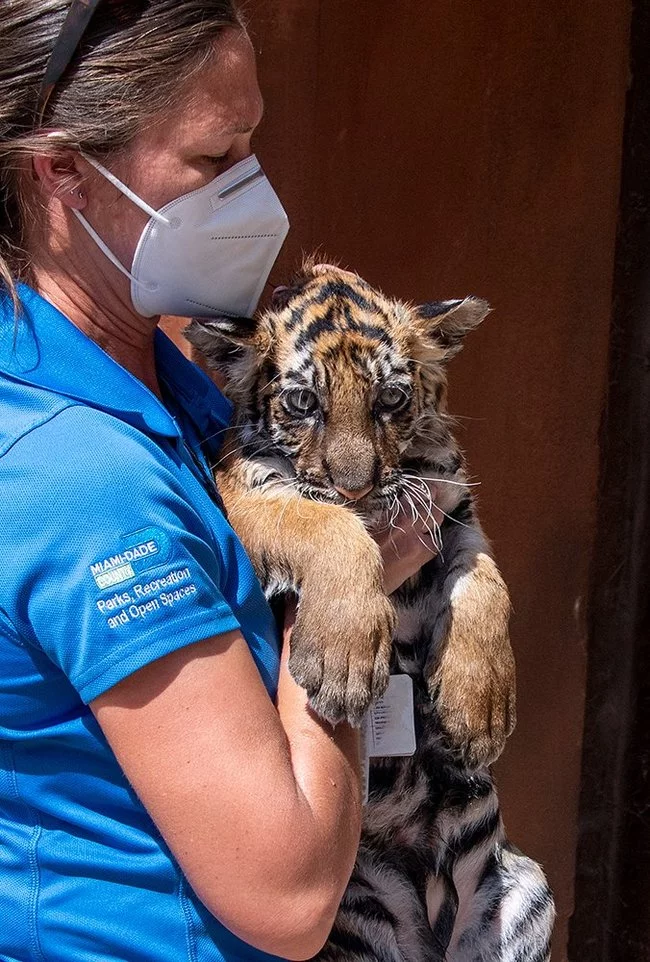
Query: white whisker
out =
(216, 434)
(460, 484)
(435, 534)
(261, 450)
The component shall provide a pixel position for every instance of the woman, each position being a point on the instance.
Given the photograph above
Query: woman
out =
(165, 792)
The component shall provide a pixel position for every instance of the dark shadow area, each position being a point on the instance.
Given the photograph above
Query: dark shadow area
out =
(611, 922)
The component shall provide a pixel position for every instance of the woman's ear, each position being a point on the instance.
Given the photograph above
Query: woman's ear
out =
(58, 175)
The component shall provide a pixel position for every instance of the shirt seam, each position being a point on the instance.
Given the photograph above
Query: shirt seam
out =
(209, 528)
(11, 627)
(35, 884)
(190, 935)
(34, 425)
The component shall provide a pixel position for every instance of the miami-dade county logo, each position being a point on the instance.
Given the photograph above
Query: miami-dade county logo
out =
(140, 551)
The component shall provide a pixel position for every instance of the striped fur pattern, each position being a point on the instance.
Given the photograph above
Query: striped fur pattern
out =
(340, 412)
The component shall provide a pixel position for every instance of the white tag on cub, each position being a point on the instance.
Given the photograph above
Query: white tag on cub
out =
(389, 727)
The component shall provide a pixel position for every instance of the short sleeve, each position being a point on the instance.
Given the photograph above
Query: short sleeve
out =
(108, 564)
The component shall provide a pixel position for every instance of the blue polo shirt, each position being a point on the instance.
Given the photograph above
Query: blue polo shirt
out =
(114, 552)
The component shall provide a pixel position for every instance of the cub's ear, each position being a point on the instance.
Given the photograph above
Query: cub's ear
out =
(237, 330)
(222, 341)
(281, 296)
(447, 322)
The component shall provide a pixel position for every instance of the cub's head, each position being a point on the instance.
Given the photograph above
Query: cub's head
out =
(346, 383)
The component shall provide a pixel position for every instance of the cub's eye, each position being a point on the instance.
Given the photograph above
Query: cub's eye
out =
(393, 398)
(300, 401)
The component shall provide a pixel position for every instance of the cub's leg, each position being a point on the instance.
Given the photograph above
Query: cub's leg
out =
(382, 917)
(508, 915)
(341, 641)
(487, 900)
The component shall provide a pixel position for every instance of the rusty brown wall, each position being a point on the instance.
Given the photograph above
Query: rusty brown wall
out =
(442, 147)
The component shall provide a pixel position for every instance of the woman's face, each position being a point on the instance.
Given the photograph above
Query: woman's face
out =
(207, 130)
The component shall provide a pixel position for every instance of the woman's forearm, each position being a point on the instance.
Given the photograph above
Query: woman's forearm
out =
(258, 803)
(326, 766)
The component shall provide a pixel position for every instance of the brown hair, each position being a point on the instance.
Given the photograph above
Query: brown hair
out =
(126, 69)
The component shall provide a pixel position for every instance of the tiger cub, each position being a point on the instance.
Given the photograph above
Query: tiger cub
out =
(340, 416)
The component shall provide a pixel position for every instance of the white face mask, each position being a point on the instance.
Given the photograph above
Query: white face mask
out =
(207, 253)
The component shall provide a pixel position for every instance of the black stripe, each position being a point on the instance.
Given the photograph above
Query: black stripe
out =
(375, 331)
(449, 785)
(383, 773)
(471, 836)
(297, 316)
(537, 907)
(372, 331)
(436, 308)
(330, 323)
(343, 292)
(350, 942)
(369, 906)
(269, 371)
(293, 374)
(463, 513)
(443, 926)
(265, 415)
(254, 413)
(331, 355)
(356, 355)
(318, 326)
(489, 870)
(531, 911)
(333, 289)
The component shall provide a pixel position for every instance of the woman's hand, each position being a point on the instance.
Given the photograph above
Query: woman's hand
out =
(406, 545)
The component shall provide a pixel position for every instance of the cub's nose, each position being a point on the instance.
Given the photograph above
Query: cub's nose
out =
(356, 494)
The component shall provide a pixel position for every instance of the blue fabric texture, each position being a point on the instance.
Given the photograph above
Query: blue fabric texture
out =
(114, 552)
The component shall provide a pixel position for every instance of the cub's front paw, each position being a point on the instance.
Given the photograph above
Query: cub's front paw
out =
(340, 649)
(475, 699)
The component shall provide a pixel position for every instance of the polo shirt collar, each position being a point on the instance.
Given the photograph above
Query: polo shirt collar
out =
(44, 349)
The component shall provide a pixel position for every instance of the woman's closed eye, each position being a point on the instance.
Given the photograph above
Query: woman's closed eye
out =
(216, 160)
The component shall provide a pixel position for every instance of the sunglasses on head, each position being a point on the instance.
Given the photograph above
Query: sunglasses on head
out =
(74, 26)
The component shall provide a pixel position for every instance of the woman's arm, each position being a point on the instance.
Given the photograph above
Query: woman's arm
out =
(259, 803)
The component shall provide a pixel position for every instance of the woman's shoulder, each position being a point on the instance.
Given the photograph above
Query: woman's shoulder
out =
(41, 432)
(77, 467)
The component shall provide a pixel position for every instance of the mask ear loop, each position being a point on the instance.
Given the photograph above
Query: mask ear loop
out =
(105, 249)
(138, 201)
(135, 200)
